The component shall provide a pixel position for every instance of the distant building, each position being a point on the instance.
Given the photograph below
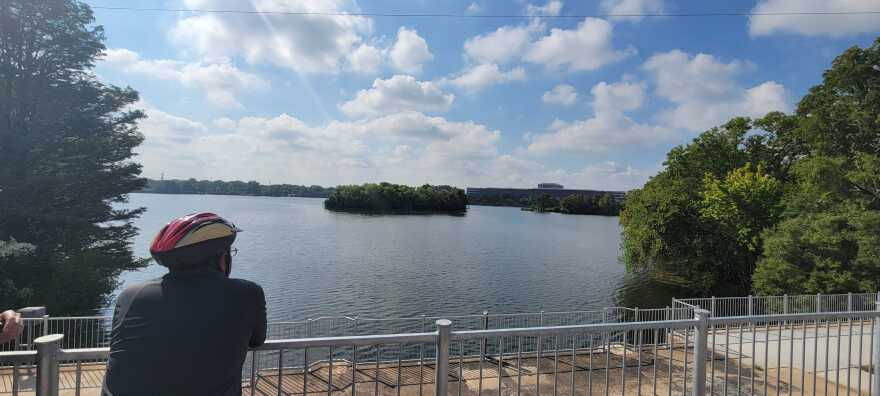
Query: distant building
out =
(551, 186)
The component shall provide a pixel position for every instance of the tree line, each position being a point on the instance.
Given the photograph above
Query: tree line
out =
(218, 187)
(786, 203)
(603, 204)
(396, 198)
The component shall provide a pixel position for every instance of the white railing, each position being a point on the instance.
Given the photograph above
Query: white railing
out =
(771, 305)
(796, 353)
(788, 344)
(93, 331)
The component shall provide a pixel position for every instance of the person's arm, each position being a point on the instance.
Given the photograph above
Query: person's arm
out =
(11, 326)
(258, 336)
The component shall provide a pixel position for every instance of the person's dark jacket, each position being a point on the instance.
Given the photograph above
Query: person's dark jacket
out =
(186, 333)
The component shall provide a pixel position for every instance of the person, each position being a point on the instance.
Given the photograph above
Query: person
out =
(186, 333)
(11, 326)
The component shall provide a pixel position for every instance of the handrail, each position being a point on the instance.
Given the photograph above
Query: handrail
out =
(70, 355)
(572, 329)
(792, 317)
(18, 357)
(300, 343)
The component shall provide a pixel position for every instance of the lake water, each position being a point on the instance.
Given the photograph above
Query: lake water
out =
(312, 262)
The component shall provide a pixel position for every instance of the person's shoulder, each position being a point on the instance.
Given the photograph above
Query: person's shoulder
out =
(134, 288)
(245, 285)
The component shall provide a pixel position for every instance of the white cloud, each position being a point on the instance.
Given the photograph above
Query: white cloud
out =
(552, 8)
(705, 90)
(617, 97)
(769, 95)
(365, 59)
(587, 47)
(311, 43)
(396, 94)
(220, 81)
(424, 149)
(597, 134)
(485, 75)
(407, 147)
(630, 7)
(410, 51)
(473, 8)
(814, 25)
(609, 175)
(502, 45)
(608, 128)
(562, 94)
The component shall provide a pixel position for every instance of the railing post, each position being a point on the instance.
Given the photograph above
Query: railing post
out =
(849, 302)
(306, 368)
(818, 302)
(712, 310)
(483, 341)
(785, 303)
(751, 305)
(48, 347)
(875, 386)
(441, 381)
(45, 324)
(668, 317)
(637, 314)
(700, 351)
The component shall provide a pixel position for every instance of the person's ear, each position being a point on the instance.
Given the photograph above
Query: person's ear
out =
(223, 263)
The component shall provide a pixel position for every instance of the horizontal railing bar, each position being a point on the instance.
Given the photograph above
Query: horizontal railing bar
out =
(18, 357)
(52, 318)
(300, 343)
(573, 329)
(68, 355)
(791, 317)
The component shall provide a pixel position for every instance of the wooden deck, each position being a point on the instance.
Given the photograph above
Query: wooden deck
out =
(91, 377)
(368, 378)
(464, 375)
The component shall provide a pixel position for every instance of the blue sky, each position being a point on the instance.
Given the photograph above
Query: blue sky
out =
(590, 102)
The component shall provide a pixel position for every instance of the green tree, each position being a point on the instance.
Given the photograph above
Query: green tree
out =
(574, 204)
(66, 141)
(829, 240)
(544, 202)
(741, 206)
(667, 225)
(395, 198)
(794, 197)
(827, 252)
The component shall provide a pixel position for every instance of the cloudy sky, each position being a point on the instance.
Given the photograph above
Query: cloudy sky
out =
(590, 102)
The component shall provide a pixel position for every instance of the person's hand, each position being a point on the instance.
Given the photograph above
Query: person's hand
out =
(11, 326)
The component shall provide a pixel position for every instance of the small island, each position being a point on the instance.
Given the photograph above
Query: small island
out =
(397, 199)
(603, 205)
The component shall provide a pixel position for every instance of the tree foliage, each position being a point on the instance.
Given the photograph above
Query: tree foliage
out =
(66, 141)
(603, 204)
(583, 204)
(219, 187)
(782, 204)
(396, 198)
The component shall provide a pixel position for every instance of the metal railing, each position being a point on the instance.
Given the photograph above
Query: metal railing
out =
(771, 305)
(793, 353)
(93, 331)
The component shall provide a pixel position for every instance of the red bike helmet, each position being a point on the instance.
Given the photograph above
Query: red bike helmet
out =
(193, 240)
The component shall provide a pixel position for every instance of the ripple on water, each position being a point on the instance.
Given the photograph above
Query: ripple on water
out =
(313, 262)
